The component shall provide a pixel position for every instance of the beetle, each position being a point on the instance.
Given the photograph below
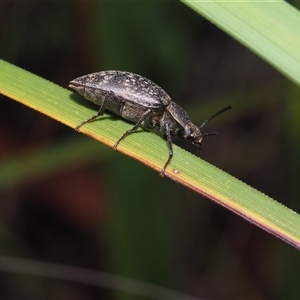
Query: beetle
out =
(142, 102)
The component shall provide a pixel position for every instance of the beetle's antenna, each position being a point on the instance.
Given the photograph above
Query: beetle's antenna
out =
(213, 116)
(209, 133)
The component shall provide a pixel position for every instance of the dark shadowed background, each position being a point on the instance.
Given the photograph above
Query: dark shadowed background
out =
(112, 214)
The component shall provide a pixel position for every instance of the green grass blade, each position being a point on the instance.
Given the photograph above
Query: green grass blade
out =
(151, 150)
(271, 29)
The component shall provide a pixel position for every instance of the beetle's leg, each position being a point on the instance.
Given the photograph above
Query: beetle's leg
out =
(99, 113)
(169, 139)
(136, 126)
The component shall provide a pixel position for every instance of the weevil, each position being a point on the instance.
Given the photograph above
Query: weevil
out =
(142, 102)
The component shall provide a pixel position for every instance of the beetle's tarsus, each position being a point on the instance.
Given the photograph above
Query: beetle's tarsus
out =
(162, 173)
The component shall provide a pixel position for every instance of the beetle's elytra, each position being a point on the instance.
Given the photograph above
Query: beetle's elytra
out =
(140, 101)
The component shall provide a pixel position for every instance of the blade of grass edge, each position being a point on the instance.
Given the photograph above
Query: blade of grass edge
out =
(269, 28)
(150, 149)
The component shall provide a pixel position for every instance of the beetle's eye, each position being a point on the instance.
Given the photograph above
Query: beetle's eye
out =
(188, 134)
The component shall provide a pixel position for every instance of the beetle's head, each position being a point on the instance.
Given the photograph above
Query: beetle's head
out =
(193, 133)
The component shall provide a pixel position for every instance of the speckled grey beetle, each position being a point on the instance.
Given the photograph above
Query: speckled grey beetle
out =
(141, 101)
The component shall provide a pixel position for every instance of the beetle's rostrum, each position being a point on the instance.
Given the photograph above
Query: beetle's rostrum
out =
(141, 101)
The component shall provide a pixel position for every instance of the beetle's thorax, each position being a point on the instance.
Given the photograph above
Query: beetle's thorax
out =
(176, 117)
(179, 123)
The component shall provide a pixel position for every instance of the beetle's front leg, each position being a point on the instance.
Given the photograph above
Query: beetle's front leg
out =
(170, 144)
(144, 116)
(100, 111)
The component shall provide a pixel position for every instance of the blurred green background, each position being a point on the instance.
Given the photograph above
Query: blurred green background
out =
(103, 211)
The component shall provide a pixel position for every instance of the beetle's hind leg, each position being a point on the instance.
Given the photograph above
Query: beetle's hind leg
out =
(144, 116)
(100, 111)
